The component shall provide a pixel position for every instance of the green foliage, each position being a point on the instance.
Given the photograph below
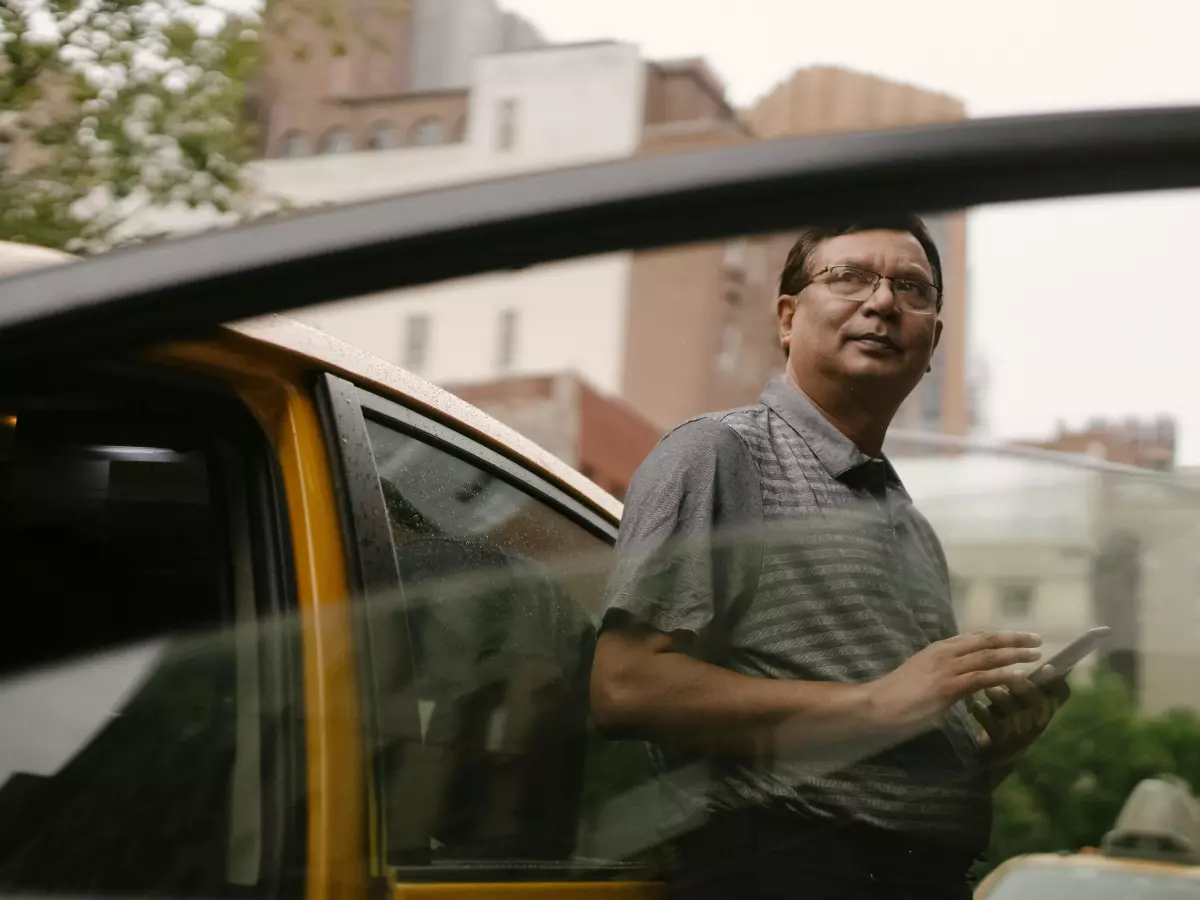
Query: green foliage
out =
(107, 100)
(1071, 785)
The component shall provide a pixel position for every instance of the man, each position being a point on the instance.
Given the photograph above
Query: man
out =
(780, 619)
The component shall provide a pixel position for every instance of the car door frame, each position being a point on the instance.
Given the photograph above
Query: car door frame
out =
(346, 408)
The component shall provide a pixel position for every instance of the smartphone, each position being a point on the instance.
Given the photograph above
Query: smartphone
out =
(1071, 655)
(1065, 659)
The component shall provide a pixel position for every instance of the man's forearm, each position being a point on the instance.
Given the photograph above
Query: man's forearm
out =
(685, 702)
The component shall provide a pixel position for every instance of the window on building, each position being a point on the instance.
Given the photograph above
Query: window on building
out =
(459, 132)
(735, 256)
(506, 125)
(929, 393)
(506, 347)
(384, 136)
(414, 354)
(1016, 601)
(498, 772)
(733, 296)
(337, 140)
(426, 132)
(295, 143)
(729, 354)
(959, 588)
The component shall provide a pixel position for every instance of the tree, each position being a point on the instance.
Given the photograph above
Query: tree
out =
(112, 103)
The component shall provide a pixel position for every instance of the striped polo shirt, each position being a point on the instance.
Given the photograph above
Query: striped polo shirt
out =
(782, 551)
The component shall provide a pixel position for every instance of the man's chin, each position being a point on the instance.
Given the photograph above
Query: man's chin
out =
(860, 365)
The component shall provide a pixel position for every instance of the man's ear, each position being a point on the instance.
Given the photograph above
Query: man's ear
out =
(785, 310)
(937, 337)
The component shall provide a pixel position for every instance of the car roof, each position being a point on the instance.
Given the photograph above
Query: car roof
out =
(368, 371)
(1099, 861)
(16, 257)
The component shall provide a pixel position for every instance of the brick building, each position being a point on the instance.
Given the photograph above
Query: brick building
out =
(1148, 444)
(600, 436)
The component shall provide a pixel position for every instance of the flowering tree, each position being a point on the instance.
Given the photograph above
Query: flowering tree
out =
(109, 103)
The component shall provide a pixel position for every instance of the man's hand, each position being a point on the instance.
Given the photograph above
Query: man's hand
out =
(1016, 716)
(916, 694)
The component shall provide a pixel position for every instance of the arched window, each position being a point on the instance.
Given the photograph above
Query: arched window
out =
(337, 140)
(295, 143)
(425, 132)
(384, 136)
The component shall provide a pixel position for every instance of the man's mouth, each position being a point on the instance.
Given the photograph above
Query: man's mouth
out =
(878, 340)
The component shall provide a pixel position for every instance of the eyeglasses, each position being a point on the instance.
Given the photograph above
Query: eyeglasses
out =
(859, 285)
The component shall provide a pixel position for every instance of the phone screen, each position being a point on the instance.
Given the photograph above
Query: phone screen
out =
(1071, 655)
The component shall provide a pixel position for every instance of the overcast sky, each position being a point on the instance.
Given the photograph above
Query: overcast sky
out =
(1062, 311)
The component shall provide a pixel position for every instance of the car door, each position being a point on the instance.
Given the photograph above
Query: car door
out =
(483, 583)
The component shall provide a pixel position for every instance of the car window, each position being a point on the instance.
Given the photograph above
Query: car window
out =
(137, 749)
(507, 778)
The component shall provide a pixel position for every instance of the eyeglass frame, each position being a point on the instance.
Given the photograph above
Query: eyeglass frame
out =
(937, 298)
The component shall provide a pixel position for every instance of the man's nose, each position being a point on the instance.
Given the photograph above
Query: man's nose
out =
(883, 300)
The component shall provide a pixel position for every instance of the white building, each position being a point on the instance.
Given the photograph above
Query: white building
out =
(528, 111)
(1021, 536)
(1018, 536)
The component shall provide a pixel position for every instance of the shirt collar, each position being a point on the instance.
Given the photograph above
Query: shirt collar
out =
(836, 452)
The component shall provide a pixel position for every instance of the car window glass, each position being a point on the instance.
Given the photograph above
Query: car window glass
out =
(131, 661)
(501, 598)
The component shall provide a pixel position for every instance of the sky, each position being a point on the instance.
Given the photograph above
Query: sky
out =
(1068, 311)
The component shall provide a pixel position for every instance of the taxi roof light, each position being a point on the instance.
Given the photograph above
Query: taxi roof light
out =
(1160, 821)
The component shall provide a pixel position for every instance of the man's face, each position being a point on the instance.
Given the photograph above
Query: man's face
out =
(838, 338)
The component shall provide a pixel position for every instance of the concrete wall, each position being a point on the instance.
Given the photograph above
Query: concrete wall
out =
(570, 318)
(572, 104)
(451, 34)
(826, 99)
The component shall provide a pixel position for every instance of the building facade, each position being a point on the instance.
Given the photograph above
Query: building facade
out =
(375, 74)
(1056, 546)
(672, 332)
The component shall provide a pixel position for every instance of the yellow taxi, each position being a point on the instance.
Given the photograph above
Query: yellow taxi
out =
(1086, 876)
(1152, 852)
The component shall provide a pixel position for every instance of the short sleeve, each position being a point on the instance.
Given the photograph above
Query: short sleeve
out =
(690, 543)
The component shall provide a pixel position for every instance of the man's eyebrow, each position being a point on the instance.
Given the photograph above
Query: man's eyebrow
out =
(908, 269)
(916, 270)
